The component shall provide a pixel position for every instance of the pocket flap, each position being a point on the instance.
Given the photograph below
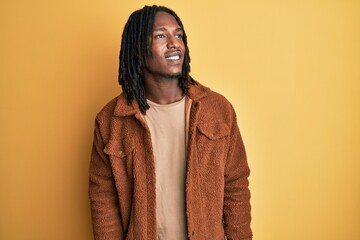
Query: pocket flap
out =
(116, 148)
(214, 130)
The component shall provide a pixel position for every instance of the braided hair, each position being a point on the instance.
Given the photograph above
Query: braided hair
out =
(136, 48)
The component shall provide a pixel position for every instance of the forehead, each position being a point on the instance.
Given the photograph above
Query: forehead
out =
(164, 19)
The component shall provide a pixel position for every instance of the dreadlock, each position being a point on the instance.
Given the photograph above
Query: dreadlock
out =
(136, 48)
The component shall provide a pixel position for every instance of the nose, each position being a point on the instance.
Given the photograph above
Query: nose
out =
(173, 42)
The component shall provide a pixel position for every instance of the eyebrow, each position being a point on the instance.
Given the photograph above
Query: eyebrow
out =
(179, 29)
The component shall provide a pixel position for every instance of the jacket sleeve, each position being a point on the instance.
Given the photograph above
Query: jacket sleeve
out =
(102, 193)
(237, 216)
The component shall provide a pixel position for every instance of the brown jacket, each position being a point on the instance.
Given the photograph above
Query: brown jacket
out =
(122, 172)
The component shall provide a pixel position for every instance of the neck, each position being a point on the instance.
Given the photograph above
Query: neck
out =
(163, 91)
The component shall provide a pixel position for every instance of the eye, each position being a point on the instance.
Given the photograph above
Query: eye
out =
(158, 36)
(179, 35)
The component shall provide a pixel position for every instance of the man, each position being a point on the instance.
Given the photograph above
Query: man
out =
(168, 161)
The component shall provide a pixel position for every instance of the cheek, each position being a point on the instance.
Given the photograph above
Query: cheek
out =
(156, 52)
(182, 46)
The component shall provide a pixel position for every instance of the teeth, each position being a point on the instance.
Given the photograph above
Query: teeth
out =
(176, 57)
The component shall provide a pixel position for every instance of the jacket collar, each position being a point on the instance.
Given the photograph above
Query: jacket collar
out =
(198, 91)
(123, 109)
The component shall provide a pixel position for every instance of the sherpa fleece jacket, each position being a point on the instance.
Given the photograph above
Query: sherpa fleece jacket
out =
(122, 173)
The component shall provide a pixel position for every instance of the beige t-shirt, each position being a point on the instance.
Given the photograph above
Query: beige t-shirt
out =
(168, 133)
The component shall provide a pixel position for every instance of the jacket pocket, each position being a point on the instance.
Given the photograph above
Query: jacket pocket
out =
(120, 154)
(211, 143)
(214, 131)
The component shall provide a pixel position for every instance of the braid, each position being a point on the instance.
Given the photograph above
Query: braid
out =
(135, 49)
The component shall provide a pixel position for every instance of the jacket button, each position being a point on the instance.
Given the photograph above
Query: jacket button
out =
(120, 152)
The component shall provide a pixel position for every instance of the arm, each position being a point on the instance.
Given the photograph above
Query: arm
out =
(103, 195)
(237, 216)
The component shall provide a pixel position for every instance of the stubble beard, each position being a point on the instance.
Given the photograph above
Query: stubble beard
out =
(172, 76)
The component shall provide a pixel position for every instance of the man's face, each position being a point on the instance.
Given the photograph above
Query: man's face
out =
(167, 48)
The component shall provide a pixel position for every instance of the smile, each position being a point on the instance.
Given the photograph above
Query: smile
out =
(175, 57)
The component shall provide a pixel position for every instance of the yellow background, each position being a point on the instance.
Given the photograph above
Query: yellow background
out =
(290, 68)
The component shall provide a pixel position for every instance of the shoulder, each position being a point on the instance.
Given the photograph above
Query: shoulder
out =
(107, 111)
(112, 113)
(212, 107)
(209, 98)
(116, 108)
